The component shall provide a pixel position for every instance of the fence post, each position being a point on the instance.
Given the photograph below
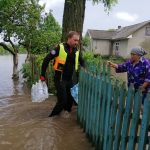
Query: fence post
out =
(145, 124)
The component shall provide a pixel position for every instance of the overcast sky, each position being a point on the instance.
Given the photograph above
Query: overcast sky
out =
(126, 12)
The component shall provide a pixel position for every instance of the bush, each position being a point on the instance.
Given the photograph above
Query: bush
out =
(98, 64)
(117, 59)
(26, 71)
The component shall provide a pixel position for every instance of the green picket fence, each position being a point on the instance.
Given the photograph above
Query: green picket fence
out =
(110, 114)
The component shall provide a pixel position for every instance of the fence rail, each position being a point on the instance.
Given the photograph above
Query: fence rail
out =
(110, 114)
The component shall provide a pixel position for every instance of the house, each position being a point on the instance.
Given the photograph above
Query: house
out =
(119, 41)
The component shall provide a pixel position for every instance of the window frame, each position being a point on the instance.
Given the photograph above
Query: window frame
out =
(147, 31)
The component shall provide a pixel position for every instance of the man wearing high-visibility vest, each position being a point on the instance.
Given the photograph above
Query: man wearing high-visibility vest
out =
(66, 57)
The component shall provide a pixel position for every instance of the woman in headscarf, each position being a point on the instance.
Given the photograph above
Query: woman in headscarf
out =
(138, 70)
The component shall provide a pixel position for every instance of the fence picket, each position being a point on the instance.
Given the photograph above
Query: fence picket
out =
(121, 103)
(91, 108)
(111, 128)
(80, 102)
(108, 108)
(145, 124)
(86, 100)
(88, 106)
(95, 115)
(134, 122)
(126, 119)
(94, 109)
(99, 114)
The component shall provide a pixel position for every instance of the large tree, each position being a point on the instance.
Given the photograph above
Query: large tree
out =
(73, 16)
(16, 17)
(46, 35)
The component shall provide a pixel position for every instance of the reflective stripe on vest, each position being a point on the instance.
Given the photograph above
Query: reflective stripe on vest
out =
(61, 59)
(76, 60)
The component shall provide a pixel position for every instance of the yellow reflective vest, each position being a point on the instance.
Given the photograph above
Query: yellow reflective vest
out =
(60, 60)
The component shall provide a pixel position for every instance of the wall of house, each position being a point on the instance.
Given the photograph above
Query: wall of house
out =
(137, 38)
(101, 47)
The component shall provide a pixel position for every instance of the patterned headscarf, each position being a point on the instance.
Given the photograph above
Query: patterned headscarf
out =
(139, 51)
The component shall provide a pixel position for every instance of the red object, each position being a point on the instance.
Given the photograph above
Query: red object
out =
(70, 50)
(42, 78)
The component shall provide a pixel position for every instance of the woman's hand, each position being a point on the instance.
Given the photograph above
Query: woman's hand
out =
(112, 64)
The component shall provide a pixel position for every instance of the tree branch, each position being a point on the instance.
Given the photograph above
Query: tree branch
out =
(6, 48)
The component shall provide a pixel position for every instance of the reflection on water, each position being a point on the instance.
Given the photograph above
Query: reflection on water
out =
(25, 126)
(9, 87)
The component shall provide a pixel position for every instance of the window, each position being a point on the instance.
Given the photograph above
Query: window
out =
(147, 31)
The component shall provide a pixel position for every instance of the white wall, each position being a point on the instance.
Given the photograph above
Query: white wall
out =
(101, 47)
(137, 38)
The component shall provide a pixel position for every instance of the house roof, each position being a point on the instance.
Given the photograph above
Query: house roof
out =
(100, 34)
(121, 33)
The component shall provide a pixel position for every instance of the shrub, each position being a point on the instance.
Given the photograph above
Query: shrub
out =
(26, 71)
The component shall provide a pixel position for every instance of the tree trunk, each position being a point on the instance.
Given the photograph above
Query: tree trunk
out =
(15, 66)
(28, 52)
(28, 57)
(14, 52)
(73, 17)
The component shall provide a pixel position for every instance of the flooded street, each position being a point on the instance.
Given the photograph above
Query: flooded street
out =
(25, 125)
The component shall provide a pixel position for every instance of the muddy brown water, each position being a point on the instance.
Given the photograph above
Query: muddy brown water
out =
(25, 125)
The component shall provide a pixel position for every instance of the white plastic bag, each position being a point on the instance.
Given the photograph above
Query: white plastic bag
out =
(45, 90)
(74, 92)
(33, 93)
(39, 91)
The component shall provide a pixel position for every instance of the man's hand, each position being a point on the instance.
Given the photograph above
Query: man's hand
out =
(42, 78)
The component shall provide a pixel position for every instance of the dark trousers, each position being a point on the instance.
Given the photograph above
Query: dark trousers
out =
(64, 98)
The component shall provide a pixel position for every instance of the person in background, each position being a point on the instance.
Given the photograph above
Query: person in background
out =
(66, 57)
(138, 71)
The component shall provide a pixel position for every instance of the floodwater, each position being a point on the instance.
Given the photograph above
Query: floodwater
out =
(25, 125)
